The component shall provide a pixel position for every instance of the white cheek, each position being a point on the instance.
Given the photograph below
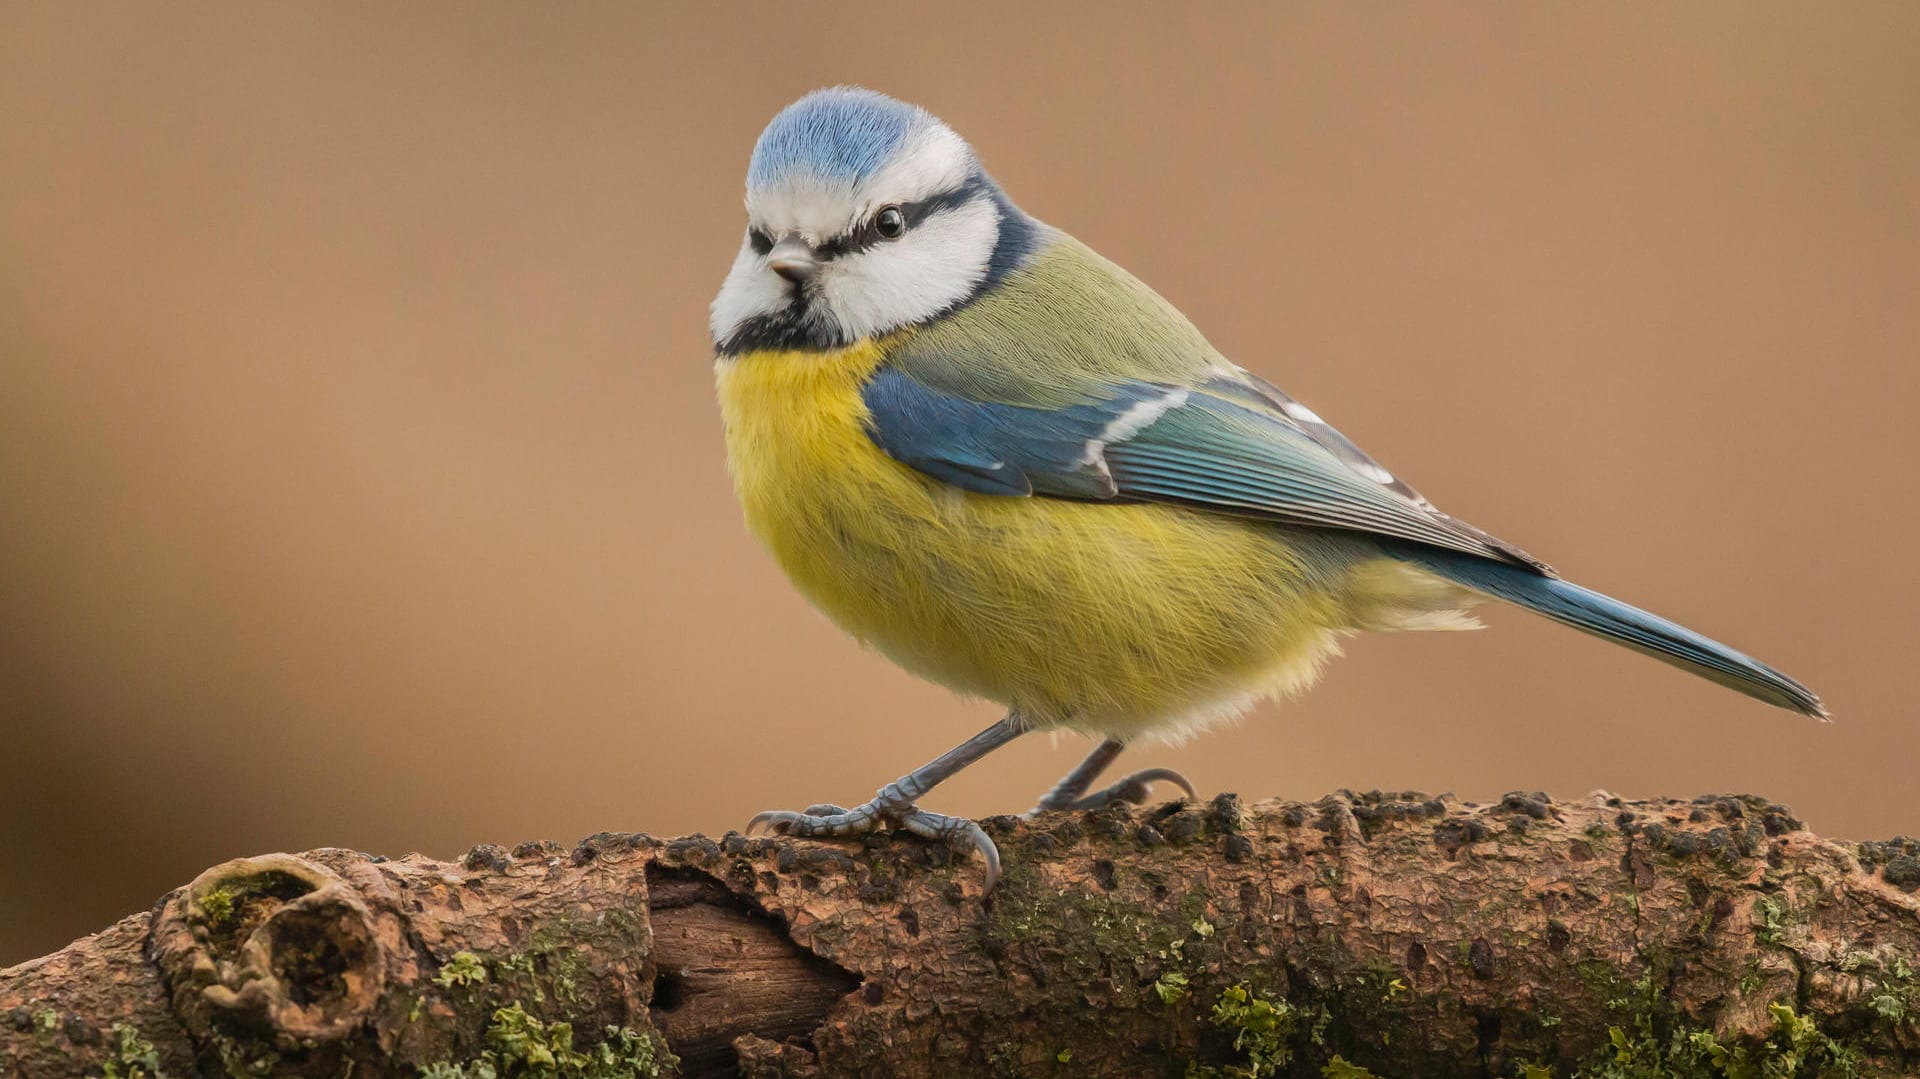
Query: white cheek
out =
(916, 277)
(750, 289)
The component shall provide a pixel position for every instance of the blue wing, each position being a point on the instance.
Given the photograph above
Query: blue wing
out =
(1230, 445)
(1118, 398)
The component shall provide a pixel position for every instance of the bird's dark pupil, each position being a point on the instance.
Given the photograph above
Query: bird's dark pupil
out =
(891, 222)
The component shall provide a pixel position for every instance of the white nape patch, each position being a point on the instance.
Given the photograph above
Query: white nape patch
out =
(1301, 412)
(892, 284)
(1137, 418)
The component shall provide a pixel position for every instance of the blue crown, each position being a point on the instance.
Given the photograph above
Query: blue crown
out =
(842, 135)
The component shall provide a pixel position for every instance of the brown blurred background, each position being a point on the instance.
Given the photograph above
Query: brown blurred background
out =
(361, 485)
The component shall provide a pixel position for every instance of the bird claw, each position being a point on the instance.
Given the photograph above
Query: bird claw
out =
(959, 834)
(824, 820)
(1133, 789)
(835, 822)
(776, 821)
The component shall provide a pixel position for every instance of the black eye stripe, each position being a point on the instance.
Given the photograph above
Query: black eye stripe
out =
(762, 243)
(865, 234)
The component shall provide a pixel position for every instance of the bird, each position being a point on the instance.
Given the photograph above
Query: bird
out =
(1015, 470)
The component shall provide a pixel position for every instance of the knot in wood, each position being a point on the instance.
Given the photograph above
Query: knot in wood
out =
(284, 944)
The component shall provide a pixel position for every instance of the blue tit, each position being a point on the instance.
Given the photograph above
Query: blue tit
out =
(1014, 469)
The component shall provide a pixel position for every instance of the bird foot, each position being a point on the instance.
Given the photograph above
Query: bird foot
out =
(891, 807)
(1131, 790)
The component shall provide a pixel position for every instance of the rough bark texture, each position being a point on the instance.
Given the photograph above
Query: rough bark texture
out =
(1392, 935)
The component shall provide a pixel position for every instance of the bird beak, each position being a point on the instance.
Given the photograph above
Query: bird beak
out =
(792, 259)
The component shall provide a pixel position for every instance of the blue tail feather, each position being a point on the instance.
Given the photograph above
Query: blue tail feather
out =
(1622, 623)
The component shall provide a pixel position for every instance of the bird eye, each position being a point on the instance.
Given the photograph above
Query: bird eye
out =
(890, 222)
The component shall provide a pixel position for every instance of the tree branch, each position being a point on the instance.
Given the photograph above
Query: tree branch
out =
(1410, 936)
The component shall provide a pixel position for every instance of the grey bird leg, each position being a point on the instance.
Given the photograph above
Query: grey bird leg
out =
(893, 803)
(1067, 794)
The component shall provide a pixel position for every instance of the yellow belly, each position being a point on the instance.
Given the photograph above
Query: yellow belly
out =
(1114, 619)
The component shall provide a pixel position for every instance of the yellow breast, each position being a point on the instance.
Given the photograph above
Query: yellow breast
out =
(1113, 619)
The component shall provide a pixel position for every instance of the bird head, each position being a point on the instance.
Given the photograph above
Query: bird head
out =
(864, 215)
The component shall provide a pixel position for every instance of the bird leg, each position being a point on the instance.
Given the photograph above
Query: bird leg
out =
(894, 805)
(1071, 791)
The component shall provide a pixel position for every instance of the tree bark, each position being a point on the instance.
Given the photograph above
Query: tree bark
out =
(1385, 934)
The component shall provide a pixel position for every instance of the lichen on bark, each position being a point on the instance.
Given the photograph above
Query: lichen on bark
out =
(1386, 934)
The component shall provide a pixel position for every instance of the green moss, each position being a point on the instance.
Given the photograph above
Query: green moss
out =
(1606, 983)
(1892, 991)
(465, 968)
(550, 975)
(1649, 1038)
(1263, 1031)
(236, 1061)
(1772, 917)
(46, 1020)
(1652, 1043)
(520, 1046)
(1372, 989)
(133, 1057)
(231, 908)
(522, 973)
(1104, 936)
(216, 907)
(553, 963)
(1170, 987)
